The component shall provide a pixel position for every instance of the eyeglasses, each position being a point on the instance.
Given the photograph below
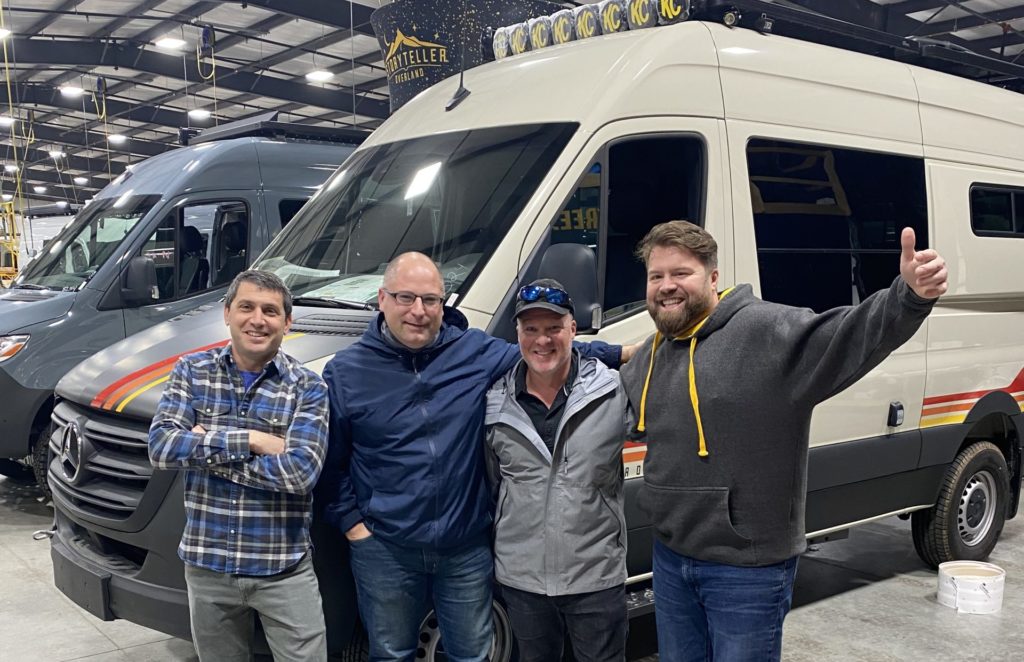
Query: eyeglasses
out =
(531, 293)
(409, 298)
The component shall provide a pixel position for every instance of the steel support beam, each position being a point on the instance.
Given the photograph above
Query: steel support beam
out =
(333, 13)
(90, 53)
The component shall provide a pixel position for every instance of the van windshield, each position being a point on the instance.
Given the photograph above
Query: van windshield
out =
(74, 256)
(452, 196)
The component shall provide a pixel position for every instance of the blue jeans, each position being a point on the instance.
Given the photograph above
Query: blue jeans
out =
(711, 611)
(396, 586)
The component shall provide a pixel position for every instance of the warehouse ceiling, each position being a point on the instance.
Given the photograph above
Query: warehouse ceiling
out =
(105, 83)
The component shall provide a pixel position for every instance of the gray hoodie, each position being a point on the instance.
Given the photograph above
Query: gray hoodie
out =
(732, 488)
(559, 527)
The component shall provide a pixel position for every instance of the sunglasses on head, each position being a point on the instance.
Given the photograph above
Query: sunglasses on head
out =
(531, 293)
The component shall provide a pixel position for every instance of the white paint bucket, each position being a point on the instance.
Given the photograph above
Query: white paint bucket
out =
(971, 587)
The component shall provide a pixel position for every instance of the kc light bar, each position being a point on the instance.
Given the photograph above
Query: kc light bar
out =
(586, 21)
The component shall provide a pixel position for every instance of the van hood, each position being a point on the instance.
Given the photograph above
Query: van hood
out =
(128, 377)
(21, 308)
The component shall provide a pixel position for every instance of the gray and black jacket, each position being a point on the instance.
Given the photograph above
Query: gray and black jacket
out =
(559, 525)
(725, 476)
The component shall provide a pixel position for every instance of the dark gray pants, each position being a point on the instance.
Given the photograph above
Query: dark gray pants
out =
(222, 609)
(597, 624)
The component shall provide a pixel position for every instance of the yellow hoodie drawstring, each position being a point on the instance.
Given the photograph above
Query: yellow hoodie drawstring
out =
(691, 334)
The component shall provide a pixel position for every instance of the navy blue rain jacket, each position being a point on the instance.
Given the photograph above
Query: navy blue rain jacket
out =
(406, 434)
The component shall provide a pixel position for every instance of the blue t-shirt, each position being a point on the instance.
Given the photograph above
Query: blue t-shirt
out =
(249, 378)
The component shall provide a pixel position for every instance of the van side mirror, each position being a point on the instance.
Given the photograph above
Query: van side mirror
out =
(575, 267)
(139, 285)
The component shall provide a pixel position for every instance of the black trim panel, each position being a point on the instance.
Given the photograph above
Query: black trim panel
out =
(862, 459)
(845, 504)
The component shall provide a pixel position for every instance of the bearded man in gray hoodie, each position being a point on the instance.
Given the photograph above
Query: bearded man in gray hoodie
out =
(724, 393)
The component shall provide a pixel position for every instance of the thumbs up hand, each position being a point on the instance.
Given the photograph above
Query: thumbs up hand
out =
(924, 271)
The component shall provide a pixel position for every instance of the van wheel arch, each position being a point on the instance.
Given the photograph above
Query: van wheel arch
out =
(39, 444)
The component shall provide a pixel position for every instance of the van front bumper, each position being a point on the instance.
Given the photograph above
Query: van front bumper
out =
(107, 585)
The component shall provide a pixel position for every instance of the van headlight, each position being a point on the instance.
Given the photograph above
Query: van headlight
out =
(11, 345)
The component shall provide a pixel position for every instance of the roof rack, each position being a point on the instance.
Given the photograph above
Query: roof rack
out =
(808, 25)
(779, 17)
(267, 125)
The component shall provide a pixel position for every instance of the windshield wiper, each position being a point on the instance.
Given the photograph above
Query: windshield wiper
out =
(30, 286)
(328, 302)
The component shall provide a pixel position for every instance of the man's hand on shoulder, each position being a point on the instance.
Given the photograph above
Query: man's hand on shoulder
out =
(261, 443)
(358, 532)
(924, 271)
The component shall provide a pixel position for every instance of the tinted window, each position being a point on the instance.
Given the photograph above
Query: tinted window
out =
(650, 180)
(997, 211)
(827, 220)
(197, 247)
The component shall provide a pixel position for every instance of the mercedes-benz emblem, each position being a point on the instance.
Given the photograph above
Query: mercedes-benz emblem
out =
(71, 451)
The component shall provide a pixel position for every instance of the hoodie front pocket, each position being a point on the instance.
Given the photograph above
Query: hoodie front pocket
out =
(695, 521)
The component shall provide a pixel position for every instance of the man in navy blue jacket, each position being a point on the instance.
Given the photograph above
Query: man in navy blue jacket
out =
(404, 477)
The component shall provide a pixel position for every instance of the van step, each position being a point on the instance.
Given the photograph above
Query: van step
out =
(640, 601)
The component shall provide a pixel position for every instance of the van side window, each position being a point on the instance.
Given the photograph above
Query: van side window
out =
(197, 247)
(287, 209)
(997, 212)
(827, 221)
(650, 180)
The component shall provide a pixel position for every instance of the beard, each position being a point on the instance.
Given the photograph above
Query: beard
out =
(672, 323)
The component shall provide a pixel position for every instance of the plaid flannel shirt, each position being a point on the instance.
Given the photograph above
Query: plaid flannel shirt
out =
(245, 514)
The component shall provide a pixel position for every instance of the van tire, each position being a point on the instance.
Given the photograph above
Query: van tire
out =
(967, 518)
(40, 459)
(501, 648)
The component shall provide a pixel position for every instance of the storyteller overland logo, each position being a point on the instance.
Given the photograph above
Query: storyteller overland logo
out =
(408, 57)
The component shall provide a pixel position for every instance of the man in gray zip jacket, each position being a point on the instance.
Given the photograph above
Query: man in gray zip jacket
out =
(724, 393)
(555, 431)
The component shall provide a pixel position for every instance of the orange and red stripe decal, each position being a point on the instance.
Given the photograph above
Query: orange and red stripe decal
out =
(953, 408)
(108, 397)
(117, 396)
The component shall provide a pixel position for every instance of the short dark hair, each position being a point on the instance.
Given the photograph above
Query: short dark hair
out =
(684, 236)
(263, 280)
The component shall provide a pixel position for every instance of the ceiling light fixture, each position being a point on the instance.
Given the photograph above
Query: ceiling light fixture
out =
(10, 167)
(170, 43)
(116, 139)
(81, 181)
(61, 204)
(7, 197)
(319, 76)
(39, 189)
(199, 114)
(71, 90)
(4, 33)
(6, 120)
(56, 154)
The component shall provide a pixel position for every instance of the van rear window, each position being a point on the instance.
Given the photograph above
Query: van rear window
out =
(997, 211)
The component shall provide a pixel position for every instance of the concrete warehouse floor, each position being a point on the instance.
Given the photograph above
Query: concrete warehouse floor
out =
(866, 598)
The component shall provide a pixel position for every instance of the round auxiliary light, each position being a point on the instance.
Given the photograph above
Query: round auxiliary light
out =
(641, 13)
(588, 21)
(519, 38)
(500, 43)
(540, 32)
(673, 11)
(563, 27)
(613, 16)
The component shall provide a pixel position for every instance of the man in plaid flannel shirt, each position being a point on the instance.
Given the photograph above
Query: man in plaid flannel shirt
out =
(248, 424)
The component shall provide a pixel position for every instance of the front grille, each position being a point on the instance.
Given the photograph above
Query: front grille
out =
(325, 324)
(107, 473)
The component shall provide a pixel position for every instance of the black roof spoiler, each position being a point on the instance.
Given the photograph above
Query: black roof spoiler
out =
(267, 125)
